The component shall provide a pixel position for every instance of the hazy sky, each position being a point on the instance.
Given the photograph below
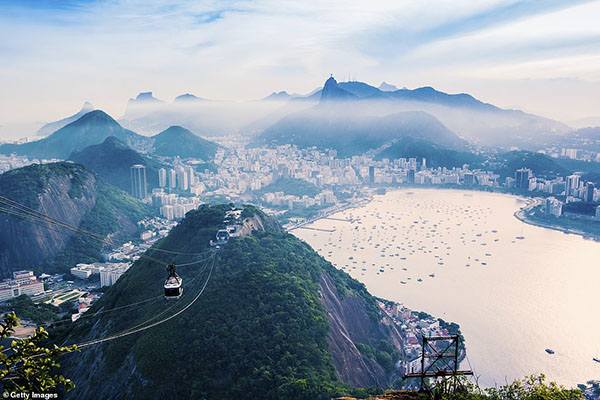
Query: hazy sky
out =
(542, 56)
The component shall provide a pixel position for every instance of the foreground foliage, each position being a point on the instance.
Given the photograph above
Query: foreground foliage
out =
(27, 365)
(28, 310)
(533, 387)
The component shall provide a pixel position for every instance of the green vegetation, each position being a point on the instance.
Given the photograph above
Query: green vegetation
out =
(112, 160)
(581, 207)
(178, 141)
(259, 330)
(437, 156)
(584, 226)
(30, 366)
(28, 310)
(207, 166)
(541, 165)
(292, 187)
(350, 132)
(25, 185)
(531, 388)
(385, 354)
(92, 128)
(113, 208)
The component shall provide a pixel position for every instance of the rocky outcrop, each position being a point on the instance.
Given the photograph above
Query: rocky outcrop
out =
(256, 223)
(29, 243)
(69, 194)
(351, 324)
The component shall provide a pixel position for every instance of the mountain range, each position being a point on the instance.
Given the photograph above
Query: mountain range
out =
(96, 126)
(340, 121)
(478, 122)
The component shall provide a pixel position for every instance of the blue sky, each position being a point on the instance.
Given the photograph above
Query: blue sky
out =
(542, 56)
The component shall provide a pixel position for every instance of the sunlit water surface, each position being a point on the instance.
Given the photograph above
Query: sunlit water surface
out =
(456, 255)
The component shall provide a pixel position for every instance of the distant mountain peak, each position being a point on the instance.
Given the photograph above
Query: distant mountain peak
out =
(387, 87)
(333, 92)
(179, 141)
(114, 141)
(278, 96)
(187, 98)
(87, 107)
(175, 129)
(145, 97)
(95, 116)
(52, 127)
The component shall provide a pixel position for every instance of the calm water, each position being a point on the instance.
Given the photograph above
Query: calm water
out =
(513, 298)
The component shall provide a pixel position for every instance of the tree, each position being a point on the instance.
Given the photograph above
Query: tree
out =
(27, 365)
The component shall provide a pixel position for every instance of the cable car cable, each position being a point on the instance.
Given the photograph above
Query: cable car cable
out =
(37, 220)
(24, 209)
(131, 332)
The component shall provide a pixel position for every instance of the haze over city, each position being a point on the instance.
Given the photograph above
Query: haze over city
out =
(538, 56)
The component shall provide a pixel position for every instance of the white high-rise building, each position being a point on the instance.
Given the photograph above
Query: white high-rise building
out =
(171, 178)
(182, 179)
(139, 188)
(111, 274)
(572, 185)
(191, 176)
(162, 177)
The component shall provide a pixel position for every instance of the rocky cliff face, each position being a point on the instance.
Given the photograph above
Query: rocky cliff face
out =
(350, 324)
(26, 243)
(256, 223)
(64, 191)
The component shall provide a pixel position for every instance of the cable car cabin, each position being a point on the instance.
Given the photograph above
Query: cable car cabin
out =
(173, 289)
(223, 236)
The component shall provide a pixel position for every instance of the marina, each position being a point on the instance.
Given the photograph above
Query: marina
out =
(462, 256)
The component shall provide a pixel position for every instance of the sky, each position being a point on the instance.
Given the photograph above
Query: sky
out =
(541, 56)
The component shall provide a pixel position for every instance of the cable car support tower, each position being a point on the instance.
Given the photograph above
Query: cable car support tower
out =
(440, 364)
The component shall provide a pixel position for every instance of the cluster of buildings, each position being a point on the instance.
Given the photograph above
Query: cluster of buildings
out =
(412, 326)
(578, 154)
(279, 199)
(410, 171)
(240, 171)
(572, 187)
(14, 161)
(83, 305)
(109, 272)
(171, 205)
(22, 282)
(152, 229)
(181, 177)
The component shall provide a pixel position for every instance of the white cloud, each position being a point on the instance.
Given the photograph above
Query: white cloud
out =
(106, 52)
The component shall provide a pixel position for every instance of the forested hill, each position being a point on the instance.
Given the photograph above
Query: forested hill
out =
(112, 160)
(276, 321)
(72, 194)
